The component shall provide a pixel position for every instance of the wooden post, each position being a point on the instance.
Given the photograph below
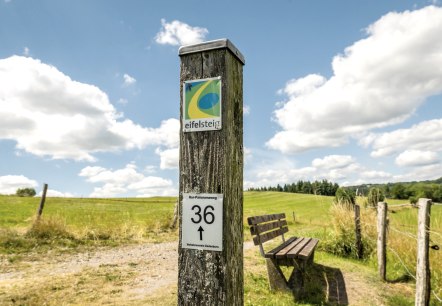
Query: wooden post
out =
(382, 240)
(423, 262)
(211, 162)
(42, 201)
(358, 234)
(175, 217)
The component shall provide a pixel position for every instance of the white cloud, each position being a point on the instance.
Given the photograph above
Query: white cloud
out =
(56, 194)
(373, 175)
(122, 101)
(248, 154)
(26, 51)
(421, 173)
(148, 183)
(128, 80)
(333, 162)
(108, 190)
(246, 110)
(425, 136)
(415, 158)
(10, 183)
(169, 158)
(335, 168)
(126, 175)
(150, 169)
(49, 114)
(379, 81)
(177, 33)
(119, 182)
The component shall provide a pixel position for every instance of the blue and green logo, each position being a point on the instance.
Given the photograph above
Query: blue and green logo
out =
(202, 99)
(202, 105)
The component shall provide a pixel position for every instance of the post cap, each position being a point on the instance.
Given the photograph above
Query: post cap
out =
(212, 45)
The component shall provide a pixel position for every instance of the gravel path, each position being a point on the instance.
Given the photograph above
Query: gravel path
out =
(150, 257)
(156, 266)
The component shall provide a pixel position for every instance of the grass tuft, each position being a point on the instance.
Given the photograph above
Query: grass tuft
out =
(341, 240)
(49, 228)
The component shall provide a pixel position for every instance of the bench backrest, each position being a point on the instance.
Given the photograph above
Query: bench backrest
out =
(266, 227)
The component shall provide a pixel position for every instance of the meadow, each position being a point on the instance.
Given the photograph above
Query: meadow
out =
(71, 225)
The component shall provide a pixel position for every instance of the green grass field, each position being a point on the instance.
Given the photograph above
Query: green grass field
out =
(75, 223)
(17, 212)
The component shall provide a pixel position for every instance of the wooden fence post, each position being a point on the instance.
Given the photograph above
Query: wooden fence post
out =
(42, 201)
(423, 263)
(175, 217)
(382, 240)
(211, 175)
(358, 234)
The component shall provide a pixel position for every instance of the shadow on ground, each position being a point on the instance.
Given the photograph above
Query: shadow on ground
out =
(324, 286)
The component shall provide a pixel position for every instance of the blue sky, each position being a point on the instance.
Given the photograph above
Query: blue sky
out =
(347, 91)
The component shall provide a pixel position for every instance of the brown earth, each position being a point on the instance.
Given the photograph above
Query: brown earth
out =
(134, 275)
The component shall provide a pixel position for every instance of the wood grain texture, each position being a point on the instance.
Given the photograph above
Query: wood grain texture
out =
(382, 239)
(42, 201)
(358, 232)
(262, 228)
(264, 218)
(212, 162)
(271, 253)
(293, 253)
(308, 250)
(423, 284)
(269, 235)
(283, 252)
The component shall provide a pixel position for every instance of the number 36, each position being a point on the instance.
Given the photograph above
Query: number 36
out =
(208, 216)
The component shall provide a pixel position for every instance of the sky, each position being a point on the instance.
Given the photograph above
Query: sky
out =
(348, 91)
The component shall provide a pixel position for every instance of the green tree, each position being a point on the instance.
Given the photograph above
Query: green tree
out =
(25, 192)
(375, 195)
(398, 191)
(346, 197)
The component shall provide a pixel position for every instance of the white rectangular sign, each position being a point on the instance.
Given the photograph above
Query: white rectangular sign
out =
(202, 221)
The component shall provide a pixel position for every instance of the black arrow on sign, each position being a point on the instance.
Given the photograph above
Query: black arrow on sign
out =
(201, 230)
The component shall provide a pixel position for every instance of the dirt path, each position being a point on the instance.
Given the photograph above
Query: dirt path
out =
(132, 275)
(149, 258)
(138, 270)
(52, 266)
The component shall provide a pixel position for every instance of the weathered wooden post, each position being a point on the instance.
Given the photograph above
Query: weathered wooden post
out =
(358, 232)
(382, 240)
(210, 263)
(42, 202)
(423, 286)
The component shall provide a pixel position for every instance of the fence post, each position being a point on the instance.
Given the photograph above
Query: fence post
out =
(42, 201)
(423, 262)
(359, 246)
(175, 217)
(211, 168)
(382, 240)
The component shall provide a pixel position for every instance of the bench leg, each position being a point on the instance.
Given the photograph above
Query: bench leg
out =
(296, 280)
(276, 277)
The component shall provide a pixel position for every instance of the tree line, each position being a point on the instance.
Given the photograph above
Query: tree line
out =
(323, 187)
(406, 190)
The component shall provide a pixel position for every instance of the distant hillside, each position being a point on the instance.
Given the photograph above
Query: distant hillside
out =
(431, 189)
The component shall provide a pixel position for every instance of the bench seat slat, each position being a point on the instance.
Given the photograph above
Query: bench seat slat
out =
(264, 218)
(271, 254)
(261, 228)
(293, 253)
(308, 249)
(270, 235)
(283, 252)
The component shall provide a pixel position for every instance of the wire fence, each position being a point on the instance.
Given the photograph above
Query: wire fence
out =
(402, 245)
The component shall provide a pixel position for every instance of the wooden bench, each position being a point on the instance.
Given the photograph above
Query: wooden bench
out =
(296, 252)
